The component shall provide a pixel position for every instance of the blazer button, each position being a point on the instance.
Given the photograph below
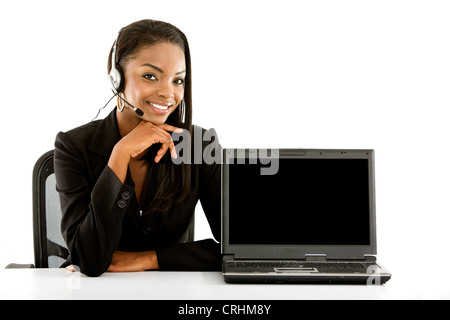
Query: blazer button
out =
(126, 195)
(147, 230)
(122, 203)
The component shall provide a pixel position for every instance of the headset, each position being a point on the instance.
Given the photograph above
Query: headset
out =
(116, 76)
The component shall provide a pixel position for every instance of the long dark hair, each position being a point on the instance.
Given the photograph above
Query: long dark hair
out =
(174, 180)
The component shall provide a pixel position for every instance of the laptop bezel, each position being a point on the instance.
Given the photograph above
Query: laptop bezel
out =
(335, 252)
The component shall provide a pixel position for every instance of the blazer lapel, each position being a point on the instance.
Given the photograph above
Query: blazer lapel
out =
(103, 141)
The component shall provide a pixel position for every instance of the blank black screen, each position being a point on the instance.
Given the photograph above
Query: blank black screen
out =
(307, 202)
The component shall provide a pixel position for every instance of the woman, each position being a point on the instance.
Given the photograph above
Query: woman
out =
(126, 204)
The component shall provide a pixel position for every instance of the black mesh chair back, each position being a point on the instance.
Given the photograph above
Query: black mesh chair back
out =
(50, 250)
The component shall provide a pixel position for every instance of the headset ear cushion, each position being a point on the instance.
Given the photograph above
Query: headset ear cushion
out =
(116, 78)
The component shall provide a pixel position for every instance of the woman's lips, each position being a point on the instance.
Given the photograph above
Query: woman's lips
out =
(160, 107)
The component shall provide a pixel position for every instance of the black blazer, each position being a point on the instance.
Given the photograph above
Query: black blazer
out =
(101, 215)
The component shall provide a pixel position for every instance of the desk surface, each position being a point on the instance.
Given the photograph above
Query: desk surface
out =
(155, 285)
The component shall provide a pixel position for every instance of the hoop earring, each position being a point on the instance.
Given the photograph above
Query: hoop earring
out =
(119, 104)
(183, 111)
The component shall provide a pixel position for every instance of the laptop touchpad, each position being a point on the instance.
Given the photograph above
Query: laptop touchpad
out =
(296, 270)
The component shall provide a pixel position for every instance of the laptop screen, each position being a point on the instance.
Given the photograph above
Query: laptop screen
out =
(308, 201)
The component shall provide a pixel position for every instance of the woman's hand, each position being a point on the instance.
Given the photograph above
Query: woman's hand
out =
(138, 141)
(128, 262)
(147, 134)
(133, 261)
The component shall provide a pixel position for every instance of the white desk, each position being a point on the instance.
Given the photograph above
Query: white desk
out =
(60, 284)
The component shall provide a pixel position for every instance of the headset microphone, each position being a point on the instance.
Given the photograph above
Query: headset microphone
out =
(116, 77)
(138, 111)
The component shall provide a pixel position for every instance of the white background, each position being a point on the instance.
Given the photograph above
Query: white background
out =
(309, 74)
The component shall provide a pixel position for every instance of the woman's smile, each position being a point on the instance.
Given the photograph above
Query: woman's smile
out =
(160, 107)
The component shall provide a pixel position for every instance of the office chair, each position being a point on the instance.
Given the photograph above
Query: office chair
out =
(50, 250)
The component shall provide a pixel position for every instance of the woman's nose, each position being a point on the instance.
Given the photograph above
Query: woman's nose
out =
(165, 90)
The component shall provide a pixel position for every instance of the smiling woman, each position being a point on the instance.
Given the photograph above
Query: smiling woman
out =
(157, 88)
(126, 205)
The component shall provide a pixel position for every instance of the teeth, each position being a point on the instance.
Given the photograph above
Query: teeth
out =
(160, 107)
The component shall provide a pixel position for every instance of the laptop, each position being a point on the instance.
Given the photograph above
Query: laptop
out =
(299, 216)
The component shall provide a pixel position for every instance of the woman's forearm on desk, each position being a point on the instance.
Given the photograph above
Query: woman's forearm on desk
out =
(133, 261)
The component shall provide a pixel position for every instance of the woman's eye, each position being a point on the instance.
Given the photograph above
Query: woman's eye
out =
(179, 81)
(149, 76)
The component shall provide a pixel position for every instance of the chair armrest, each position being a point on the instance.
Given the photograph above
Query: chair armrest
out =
(19, 266)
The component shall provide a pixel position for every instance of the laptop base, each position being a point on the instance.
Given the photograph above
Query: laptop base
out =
(304, 272)
(246, 278)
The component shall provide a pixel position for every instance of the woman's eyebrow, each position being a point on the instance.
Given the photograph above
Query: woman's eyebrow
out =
(159, 69)
(152, 66)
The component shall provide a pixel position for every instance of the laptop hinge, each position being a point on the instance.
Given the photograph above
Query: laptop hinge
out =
(315, 257)
(370, 258)
(228, 257)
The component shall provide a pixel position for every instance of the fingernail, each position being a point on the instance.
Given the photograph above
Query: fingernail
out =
(71, 268)
(178, 130)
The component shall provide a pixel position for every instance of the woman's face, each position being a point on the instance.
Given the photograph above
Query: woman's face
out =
(154, 81)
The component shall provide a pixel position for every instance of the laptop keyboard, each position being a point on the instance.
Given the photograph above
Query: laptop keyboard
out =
(299, 264)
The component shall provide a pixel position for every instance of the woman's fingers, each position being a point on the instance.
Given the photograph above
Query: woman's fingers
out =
(162, 151)
(166, 141)
(170, 128)
(147, 134)
(71, 268)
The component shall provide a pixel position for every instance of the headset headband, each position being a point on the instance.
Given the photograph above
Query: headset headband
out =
(115, 75)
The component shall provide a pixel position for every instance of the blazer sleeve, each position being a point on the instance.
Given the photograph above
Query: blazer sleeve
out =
(204, 254)
(92, 211)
